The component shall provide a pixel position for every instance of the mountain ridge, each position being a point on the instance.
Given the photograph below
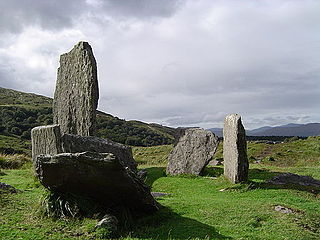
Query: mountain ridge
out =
(289, 130)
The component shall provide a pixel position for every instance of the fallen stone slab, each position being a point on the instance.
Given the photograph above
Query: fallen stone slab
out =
(75, 144)
(48, 140)
(193, 151)
(294, 179)
(98, 176)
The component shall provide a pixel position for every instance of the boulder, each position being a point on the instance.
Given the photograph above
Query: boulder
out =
(192, 152)
(98, 176)
(236, 163)
(75, 143)
(46, 140)
(76, 94)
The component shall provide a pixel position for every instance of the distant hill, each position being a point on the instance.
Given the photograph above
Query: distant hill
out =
(291, 129)
(20, 112)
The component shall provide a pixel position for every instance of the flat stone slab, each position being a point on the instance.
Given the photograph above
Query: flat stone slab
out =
(99, 176)
(75, 143)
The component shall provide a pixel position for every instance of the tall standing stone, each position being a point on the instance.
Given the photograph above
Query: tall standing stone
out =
(236, 163)
(193, 151)
(76, 95)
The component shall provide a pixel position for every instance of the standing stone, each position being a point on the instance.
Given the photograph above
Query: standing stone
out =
(236, 163)
(46, 140)
(76, 95)
(192, 152)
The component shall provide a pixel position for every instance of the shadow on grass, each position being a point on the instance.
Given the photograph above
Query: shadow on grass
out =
(212, 171)
(166, 224)
(154, 173)
(263, 175)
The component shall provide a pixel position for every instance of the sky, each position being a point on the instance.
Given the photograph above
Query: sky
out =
(174, 62)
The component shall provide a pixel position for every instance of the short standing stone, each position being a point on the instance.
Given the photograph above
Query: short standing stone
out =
(76, 95)
(192, 152)
(46, 140)
(235, 149)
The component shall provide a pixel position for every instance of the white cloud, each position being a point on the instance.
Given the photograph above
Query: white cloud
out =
(184, 64)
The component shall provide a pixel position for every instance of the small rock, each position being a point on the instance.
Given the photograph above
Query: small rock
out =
(159, 194)
(283, 209)
(7, 188)
(109, 222)
(215, 163)
(222, 190)
(142, 174)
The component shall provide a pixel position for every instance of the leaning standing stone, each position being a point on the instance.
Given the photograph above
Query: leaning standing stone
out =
(193, 151)
(76, 95)
(235, 149)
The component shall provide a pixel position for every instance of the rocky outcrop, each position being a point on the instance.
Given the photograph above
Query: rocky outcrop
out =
(76, 95)
(236, 163)
(75, 143)
(192, 152)
(46, 140)
(98, 176)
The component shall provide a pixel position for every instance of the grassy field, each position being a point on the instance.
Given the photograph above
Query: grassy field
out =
(204, 207)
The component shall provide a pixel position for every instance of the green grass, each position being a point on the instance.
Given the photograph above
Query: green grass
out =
(287, 154)
(152, 155)
(11, 144)
(195, 208)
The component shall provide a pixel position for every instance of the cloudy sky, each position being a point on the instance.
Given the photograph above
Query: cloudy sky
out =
(175, 62)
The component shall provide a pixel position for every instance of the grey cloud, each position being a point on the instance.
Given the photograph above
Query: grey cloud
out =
(52, 15)
(199, 63)
(141, 9)
(59, 14)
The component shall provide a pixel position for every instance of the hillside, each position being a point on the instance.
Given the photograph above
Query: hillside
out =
(20, 112)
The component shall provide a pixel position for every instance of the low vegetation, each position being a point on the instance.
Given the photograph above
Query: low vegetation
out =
(204, 207)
